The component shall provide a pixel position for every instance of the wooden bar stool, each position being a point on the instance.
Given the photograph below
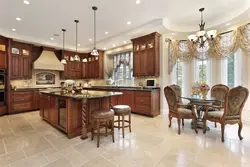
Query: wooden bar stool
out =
(122, 111)
(102, 118)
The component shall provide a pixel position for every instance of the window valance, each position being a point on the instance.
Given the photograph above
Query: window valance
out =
(223, 46)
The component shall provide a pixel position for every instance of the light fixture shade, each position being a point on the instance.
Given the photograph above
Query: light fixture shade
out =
(200, 33)
(77, 58)
(84, 60)
(94, 52)
(63, 61)
(192, 37)
(212, 33)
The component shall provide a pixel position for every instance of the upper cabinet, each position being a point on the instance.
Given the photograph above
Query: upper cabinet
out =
(90, 67)
(20, 61)
(146, 51)
(3, 53)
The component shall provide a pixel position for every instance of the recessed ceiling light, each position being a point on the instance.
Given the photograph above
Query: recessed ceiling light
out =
(90, 39)
(106, 32)
(13, 29)
(18, 19)
(114, 45)
(227, 24)
(128, 22)
(172, 33)
(125, 42)
(52, 39)
(78, 44)
(137, 1)
(104, 48)
(26, 2)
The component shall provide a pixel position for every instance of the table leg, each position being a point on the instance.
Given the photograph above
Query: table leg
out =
(199, 121)
(84, 119)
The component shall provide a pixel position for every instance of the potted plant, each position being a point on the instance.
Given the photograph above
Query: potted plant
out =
(109, 73)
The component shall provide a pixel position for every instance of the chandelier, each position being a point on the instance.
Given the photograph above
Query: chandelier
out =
(202, 36)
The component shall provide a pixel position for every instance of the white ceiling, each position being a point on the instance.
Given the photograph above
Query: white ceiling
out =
(43, 18)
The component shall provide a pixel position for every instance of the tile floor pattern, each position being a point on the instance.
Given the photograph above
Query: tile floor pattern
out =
(27, 141)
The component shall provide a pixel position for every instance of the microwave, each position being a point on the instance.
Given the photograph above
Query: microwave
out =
(150, 83)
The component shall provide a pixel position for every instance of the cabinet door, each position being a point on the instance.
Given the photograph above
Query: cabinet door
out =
(136, 64)
(128, 99)
(25, 67)
(46, 106)
(150, 62)
(2, 59)
(84, 70)
(53, 111)
(15, 67)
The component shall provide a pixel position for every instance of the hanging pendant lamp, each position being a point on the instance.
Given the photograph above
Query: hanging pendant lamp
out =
(76, 57)
(63, 61)
(94, 51)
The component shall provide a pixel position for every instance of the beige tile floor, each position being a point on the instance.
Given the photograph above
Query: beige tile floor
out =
(27, 141)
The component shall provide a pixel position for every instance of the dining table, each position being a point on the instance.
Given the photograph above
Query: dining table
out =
(200, 106)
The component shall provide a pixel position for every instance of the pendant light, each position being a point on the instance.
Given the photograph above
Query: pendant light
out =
(76, 58)
(94, 51)
(63, 61)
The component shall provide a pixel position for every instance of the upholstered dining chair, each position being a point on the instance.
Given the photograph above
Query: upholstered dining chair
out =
(234, 102)
(176, 111)
(218, 92)
(178, 93)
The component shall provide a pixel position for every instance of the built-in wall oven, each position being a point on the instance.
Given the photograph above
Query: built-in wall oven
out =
(2, 87)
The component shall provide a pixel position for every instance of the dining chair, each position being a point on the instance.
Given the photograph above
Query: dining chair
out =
(234, 102)
(178, 93)
(218, 92)
(178, 112)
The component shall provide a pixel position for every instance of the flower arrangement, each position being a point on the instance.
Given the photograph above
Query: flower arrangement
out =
(204, 88)
(196, 88)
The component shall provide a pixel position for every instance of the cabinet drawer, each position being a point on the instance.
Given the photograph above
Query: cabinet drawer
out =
(142, 94)
(22, 98)
(143, 101)
(22, 107)
(142, 109)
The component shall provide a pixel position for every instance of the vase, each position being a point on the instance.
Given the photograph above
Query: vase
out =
(204, 94)
(109, 81)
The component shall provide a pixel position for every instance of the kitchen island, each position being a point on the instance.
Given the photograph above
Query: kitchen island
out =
(71, 112)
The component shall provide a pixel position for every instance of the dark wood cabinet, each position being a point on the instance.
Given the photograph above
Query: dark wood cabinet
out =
(20, 61)
(95, 66)
(3, 52)
(146, 51)
(22, 101)
(127, 99)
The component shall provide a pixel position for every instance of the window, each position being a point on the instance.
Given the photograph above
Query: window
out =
(230, 71)
(179, 74)
(202, 71)
(123, 68)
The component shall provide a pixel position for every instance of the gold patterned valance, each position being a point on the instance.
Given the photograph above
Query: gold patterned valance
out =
(223, 46)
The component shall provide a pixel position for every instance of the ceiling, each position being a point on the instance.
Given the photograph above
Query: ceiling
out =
(41, 19)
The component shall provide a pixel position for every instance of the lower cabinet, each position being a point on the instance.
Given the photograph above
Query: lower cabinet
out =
(49, 108)
(22, 101)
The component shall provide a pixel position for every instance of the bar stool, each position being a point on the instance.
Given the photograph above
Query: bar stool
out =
(102, 118)
(122, 111)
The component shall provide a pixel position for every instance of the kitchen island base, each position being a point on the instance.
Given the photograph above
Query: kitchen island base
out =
(72, 115)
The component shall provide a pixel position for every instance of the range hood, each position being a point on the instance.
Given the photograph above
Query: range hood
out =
(48, 61)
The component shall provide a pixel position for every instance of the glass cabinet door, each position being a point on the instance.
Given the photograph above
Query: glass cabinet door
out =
(62, 111)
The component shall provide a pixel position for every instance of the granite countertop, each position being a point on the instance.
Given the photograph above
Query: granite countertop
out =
(32, 88)
(122, 88)
(84, 95)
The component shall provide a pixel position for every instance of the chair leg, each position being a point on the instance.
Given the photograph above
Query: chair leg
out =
(204, 126)
(92, 131)
(179, 125)
(195, 126)
(129, 123)
(222, 132)
(118, 122)
(215, 125)
(98, 133)
(182, 121)
(170, 120)
(113, 133)
(123, 126)
(239, 131)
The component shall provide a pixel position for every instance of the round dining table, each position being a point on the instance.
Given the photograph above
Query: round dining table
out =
(200, 104)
